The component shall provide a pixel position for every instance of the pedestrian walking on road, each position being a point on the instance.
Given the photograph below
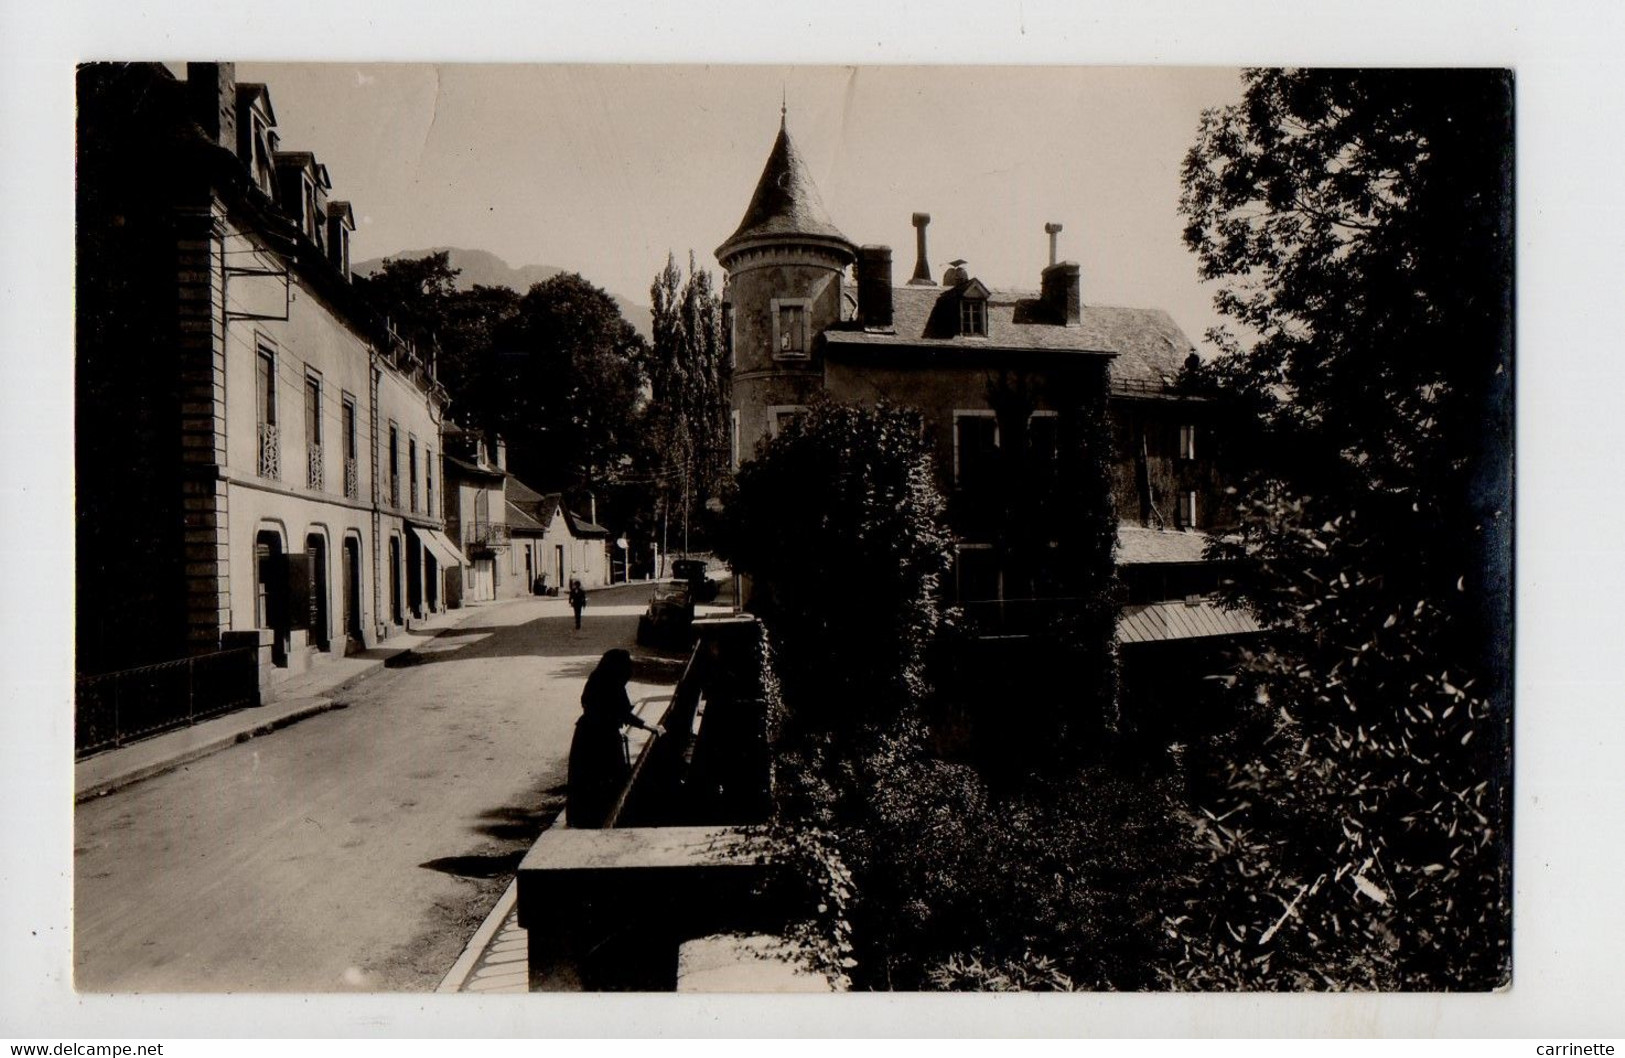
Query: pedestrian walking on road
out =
(578, 601)
(599, 759)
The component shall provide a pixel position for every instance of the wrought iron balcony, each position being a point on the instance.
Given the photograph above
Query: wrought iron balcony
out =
(414, 495)
(488, 535)
(352, 480)
(315, 472)
(394, 491)
(270, 451)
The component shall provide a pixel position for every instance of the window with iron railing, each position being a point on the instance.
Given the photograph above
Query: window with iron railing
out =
(352, 482)
(412, 471)
(315, 476)
(270, 445)
(270, 451)
(394, 466)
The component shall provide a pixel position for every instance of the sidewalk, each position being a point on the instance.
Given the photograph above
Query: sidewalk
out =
(304, 696)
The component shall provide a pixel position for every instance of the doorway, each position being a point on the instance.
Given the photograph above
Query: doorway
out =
(414, 577)
(316, 549)
(352, 593)
(271, 592)
(395, 615)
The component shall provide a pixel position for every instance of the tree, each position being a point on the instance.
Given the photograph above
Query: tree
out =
(566, 385)
(421, 300)
(687, 414)
(948, 881)
(843, 505)
(1360, 222)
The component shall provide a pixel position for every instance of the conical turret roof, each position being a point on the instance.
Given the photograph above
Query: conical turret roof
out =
(786, 202)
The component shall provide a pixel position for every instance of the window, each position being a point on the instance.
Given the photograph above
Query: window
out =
(412, 471)
(780, 416)
(1043, 444)
(976, 573)
(394, 466)
(315, 476)
(352, 483)
(973, 317)
(428, 481)
(976, 449)
(733, 437)
(270, 447)
(790, 327)
(1188, 510)
(1187, 442)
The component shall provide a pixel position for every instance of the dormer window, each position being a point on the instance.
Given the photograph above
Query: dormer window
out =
(973, 310)
(973, 318)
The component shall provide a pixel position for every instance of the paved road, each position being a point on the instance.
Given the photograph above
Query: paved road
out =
(358, 849)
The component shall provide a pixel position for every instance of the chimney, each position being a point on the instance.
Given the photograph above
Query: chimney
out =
(922, 267)
(956, 273)
(1062, 292)
(212, 90)
(874, 287)
(1052, 229)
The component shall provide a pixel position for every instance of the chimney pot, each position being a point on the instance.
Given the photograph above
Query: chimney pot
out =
(922, 267)
(1052, 229)
(212, 88)
(1062, 292)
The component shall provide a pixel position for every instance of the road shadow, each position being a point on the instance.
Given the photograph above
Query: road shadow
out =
(489, 865)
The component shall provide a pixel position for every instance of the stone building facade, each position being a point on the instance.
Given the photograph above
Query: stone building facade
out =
(810, 313)
(257, 451)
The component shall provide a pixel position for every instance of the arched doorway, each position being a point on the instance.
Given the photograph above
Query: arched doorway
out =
(395, 615)
(271, 592)
(352, 594)
(316, 549)
(414, 576)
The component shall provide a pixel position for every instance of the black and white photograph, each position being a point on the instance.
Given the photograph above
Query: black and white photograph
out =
(824, 560)
(601, 528)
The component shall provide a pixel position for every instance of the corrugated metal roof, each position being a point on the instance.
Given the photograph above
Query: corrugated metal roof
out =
(1164, 621)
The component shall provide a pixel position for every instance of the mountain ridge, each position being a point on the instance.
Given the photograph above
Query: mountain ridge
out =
(484, 268)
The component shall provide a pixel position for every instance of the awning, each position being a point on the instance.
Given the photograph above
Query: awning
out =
(1164, 621)
(440, 545)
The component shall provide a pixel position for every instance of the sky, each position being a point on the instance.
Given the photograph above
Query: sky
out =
(606, 169)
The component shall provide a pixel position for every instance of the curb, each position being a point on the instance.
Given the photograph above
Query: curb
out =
(313, 707)
(469, 961)
(187, 756)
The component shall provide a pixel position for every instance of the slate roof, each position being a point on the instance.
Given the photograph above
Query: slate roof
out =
(786, 201)
(1163, 621)
(1147, 345)
(473, 470)
(1139, 546)
(519, 521)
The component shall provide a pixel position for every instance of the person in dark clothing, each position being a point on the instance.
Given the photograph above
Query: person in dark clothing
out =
(578, 601)
(599, 768)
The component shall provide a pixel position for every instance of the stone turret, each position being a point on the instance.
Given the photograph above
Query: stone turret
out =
(784, 265)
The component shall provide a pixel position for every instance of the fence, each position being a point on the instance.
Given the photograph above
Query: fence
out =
(118, 707)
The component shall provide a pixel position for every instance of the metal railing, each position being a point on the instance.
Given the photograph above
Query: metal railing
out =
(352, 480)
(315, 472)
(270, 451)
(113, 708)
(488, 534)
(394, 491)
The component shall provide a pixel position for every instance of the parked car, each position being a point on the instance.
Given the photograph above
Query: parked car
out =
(692, 570)
(670, 616)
